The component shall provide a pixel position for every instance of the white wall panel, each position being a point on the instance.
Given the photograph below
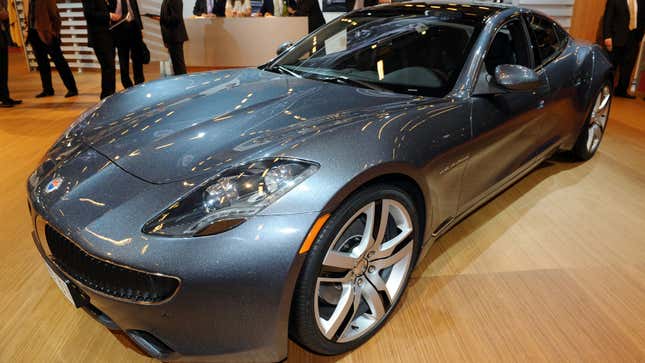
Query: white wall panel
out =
(559, 10)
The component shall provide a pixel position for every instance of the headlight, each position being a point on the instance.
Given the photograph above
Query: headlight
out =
(227, 201)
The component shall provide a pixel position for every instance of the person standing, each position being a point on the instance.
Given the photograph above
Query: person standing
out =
(209, 8)
(310, 9)
(237, 8)
(173, 33)
(276, 7)
(127, 30)
(5, 100)
(623, 25)
(99, 38)
(43, 24)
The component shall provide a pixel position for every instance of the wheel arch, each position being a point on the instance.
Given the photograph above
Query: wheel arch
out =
(596, 64)
(402, 176)
(602, 71)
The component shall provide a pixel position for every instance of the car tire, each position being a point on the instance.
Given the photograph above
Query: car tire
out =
(594, 128)
(345, 266)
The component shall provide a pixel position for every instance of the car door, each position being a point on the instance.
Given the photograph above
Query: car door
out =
(549, 43)
(506, 125)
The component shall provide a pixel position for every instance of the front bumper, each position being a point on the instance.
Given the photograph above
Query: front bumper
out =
(231, 306)
(235, 287)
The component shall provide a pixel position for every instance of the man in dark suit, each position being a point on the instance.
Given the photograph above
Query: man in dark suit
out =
(209, 8)
(43, 22)
(173, 33)
(99, 38)
(127, 30)
(623, 26)
(310, 9)
(5, 100)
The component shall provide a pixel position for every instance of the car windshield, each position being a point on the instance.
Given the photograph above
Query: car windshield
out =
(417, 52)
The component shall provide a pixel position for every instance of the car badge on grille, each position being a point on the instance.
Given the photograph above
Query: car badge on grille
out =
(53, 184)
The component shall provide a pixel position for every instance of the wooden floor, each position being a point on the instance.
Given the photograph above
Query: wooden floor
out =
(551, 270)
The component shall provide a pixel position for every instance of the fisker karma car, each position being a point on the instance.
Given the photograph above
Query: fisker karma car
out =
(215, 216)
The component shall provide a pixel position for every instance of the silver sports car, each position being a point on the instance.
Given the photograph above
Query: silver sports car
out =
(214, 215)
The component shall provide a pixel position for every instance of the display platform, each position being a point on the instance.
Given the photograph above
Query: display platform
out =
(238, 42)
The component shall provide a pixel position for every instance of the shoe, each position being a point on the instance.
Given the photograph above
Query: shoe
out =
(15, 102)
(624, 95)
(73, 93)
(45, 94)
(5, 104)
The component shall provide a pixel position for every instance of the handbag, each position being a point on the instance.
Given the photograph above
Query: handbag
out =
(145, 52)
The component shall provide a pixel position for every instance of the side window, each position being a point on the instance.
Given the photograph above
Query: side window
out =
(548, 38)
(509, 46)
(563, 36)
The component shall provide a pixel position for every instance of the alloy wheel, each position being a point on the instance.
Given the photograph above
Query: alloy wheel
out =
(364, 271)
(598, 120)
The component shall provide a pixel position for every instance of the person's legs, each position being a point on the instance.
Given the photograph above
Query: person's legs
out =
(40, 52)
(62, 67)
(137, 56)
(105, 55)
(4, 69)
(176, 51)
(124, 65)
(626, 62)
(5, 98)
(616, 57)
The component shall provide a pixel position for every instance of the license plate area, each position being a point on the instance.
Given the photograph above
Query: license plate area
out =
(71, 292)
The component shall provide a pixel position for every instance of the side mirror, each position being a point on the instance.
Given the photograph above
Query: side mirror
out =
(283, 47)
(517, 78)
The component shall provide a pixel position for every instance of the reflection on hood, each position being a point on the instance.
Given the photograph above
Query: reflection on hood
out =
(181, 127)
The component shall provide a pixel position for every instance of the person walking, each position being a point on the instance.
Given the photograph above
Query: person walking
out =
(99, 38)
(623, 26)
(173, 33)
(5, 100)
(127, 32)
(44, 24)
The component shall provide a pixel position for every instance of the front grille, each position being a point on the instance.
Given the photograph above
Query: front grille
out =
(106, 277)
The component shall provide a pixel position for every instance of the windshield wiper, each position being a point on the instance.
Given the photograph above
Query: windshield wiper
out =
(353, 82)
(282, 69)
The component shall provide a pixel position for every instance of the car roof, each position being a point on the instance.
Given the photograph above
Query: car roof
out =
(484, 8)
(470, 11)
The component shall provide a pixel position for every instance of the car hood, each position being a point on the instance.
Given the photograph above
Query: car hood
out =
(183, 127)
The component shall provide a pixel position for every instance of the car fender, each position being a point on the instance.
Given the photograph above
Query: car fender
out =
(597, 67)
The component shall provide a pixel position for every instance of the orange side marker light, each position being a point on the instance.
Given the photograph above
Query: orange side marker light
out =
(313, 233)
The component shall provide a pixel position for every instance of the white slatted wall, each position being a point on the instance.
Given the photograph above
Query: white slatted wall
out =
(151, 29)
(560, 10)
(20, 10)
